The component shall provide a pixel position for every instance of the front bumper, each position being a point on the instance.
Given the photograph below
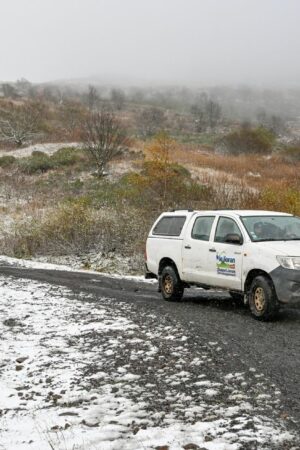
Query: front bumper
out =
(287, 284)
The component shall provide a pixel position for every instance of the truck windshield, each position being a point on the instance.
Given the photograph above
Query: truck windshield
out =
(272, 228)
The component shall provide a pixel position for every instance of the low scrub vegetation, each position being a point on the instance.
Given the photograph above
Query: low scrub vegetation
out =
(40, 162)
(287, 200)
(68, 228)
(57, 206)
(7, 161)
(113, 216)
(292, 153)
(248, 140)
(75, 227)
(68, 157)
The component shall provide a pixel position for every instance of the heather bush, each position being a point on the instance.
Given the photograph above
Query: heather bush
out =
(75, 227)
(7, 161)
(225, 191)
(292, 153)
(38, 162)
(158, 187)
(67, 157)
(248, 140)
(286, 200)
(61, 230)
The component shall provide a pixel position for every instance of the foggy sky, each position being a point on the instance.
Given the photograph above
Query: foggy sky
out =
(153, 41)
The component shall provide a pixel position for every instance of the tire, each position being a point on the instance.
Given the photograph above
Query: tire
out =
(237, 297)
(263, 301)
(171, 285)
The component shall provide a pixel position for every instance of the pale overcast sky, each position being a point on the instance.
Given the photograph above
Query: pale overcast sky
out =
(177, 41)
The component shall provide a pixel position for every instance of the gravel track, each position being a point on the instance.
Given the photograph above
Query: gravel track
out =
(245, 361)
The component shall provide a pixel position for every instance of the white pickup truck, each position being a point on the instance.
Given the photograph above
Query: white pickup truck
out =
(255, 255)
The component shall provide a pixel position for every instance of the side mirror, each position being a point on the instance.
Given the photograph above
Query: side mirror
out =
(233, 238)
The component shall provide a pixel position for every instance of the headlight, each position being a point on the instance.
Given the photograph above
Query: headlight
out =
(289, 262)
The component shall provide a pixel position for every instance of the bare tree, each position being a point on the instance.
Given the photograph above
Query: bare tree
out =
(92, 98)
(199, 118)
(274, 123)
(206, 113)
(20, 123)
(9, 91)
(214, 112)
(118, 98)
(104, 138)
(71, 114)
(151, 121)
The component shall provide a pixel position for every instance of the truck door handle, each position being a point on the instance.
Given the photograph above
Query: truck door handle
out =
(212, 250)
(188, 247)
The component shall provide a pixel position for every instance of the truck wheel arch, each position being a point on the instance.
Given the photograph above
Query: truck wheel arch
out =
(166, 262)
(250, 277)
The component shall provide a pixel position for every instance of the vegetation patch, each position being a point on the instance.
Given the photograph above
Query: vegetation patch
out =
(40, 162)
(7, 161)
(292, 153)
(85, 202)
(248, 140)
(67, 157)
(286, 200)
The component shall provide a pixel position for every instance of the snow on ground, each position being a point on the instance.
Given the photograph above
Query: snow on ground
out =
(38, 264)
(29, 264)
(48, 148)
(105, 375)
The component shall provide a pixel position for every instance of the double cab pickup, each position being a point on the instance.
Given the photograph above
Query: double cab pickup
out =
(255, 255)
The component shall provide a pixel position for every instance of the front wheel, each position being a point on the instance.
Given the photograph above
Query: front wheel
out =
(262, 299)
(171, 285)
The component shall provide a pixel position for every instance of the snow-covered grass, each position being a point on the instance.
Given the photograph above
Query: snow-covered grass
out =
(38, 264)
(48, 148)
(76, 373)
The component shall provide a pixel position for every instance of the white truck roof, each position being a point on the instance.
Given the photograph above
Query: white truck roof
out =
(233, 212)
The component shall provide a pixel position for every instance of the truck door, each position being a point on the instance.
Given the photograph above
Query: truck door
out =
(225, 255)
(196, 248)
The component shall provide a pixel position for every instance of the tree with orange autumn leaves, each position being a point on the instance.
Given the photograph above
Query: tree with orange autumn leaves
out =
(158, 167)
(163, 184)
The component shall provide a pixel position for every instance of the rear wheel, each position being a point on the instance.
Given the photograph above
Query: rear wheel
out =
(171, 285)
(262, 299)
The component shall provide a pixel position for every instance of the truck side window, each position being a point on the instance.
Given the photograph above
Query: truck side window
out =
(202, 227)
(226, 226)
(169, 226)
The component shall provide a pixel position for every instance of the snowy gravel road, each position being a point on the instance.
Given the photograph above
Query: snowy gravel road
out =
(96, 362)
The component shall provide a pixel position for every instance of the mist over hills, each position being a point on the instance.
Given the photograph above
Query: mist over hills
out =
(242, 102)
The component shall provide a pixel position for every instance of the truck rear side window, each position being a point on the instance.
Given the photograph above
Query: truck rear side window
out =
(169, 226)
(202, 227)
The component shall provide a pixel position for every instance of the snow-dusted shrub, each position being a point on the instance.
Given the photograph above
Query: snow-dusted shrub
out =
(7, 160)
(75, 227)
(292, 153)
(287, 200)
(67, 156)
(248, 140)
(38, 162)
